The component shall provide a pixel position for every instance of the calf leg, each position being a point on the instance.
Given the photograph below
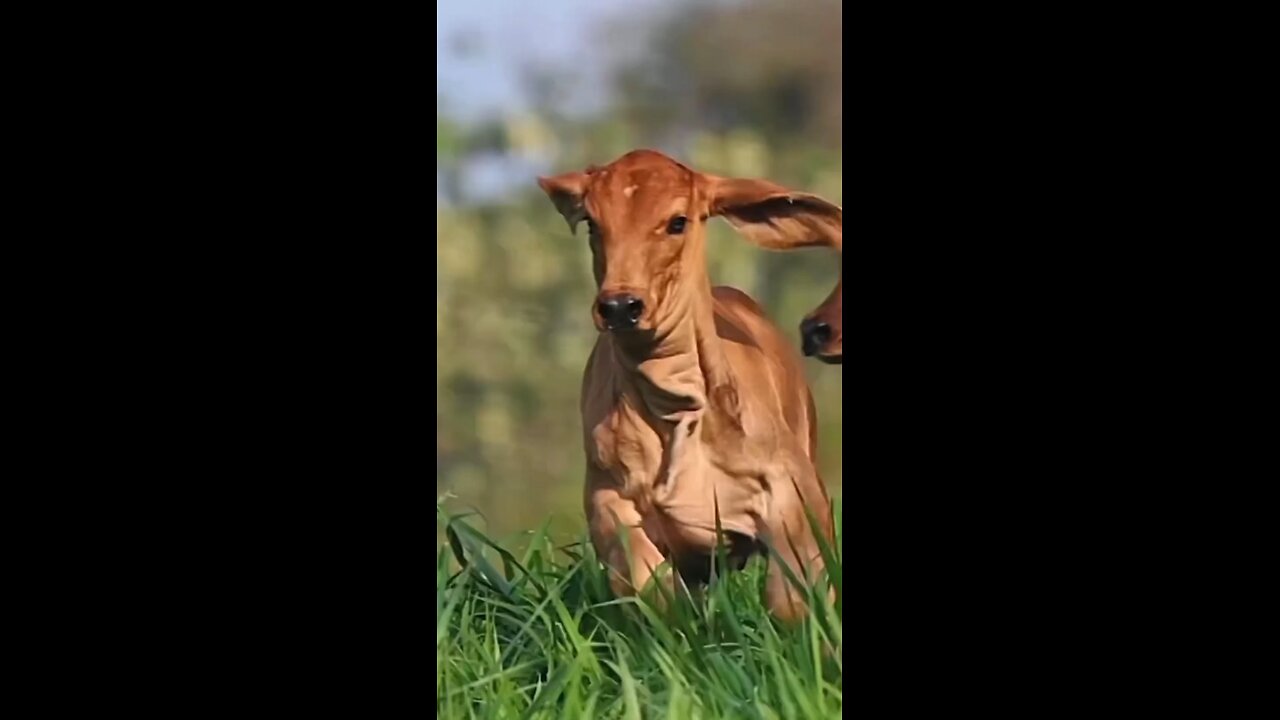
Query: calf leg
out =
(620, 541)
(791, 534)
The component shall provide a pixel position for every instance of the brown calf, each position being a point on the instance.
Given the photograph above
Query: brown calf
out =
(822, 331)
(692, 400)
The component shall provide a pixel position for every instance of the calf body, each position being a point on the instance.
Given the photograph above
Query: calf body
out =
(694, 405)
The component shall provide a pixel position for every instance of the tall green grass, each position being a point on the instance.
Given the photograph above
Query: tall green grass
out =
(540, 635)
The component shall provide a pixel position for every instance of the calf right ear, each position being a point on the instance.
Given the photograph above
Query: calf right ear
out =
(566, 193)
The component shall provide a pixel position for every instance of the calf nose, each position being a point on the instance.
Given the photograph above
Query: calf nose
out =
(813, 335)
(620, 312)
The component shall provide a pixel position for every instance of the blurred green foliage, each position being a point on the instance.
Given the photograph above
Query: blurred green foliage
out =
(514, 287)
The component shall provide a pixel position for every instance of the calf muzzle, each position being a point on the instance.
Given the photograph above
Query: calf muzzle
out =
(620, 312)
(814, 335)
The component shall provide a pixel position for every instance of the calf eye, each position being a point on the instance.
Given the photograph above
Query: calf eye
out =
(676, 226)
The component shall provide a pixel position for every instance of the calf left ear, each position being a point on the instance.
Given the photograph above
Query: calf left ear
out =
(774, 217)
(566, 193)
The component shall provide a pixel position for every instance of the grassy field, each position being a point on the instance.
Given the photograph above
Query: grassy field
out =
(538, 634)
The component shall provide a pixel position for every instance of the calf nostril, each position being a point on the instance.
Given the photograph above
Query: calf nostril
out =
(635, 308)
(813, 335)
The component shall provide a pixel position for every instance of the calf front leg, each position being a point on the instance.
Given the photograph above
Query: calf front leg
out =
(620, 541)
(789, 531)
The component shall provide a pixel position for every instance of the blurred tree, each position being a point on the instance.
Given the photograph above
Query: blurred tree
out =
(775, 66)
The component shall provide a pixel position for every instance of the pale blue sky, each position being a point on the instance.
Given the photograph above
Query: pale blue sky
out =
(481, 48)
(503, 35)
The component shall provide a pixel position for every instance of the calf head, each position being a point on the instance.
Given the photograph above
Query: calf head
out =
(822, 331)
(646, 216)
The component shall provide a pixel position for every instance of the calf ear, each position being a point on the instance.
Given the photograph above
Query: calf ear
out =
(566, 193)
(774, 217)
